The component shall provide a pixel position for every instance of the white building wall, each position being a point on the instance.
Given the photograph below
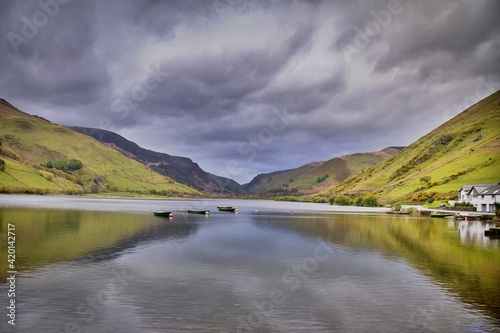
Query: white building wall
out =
(485, 203)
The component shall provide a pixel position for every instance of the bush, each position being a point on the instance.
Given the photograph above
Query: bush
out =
(6, 189)
(370, 201)
(322, 178)
(359, 201)
(2, 165)
(288, 198)
(463, 204)
(343, 200)
(425, 179)
(319, 200)
(331, 200)
(7, 152)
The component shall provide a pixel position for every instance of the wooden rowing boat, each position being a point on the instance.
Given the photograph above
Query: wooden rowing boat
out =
(197, 211)
(227, 209)
(163, 213)
(441, 216)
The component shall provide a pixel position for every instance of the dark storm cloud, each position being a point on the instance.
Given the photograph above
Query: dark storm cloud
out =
(51, 59)
(457, 28)
(244, 86)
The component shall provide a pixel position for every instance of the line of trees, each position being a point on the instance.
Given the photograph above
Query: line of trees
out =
(64, 165)
(362, 201)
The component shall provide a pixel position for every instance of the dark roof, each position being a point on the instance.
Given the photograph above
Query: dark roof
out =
(478, 187)
(494, 189)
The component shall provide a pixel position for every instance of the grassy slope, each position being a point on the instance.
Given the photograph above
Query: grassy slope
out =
(37, 141)
(305, 178)
(464, 150)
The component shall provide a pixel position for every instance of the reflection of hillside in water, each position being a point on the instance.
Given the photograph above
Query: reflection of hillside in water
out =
(44, 237)
(454, 253)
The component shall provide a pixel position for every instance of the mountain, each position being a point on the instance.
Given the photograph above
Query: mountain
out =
(42, 157)
(317, 176)
(181, 169)
(464, 150)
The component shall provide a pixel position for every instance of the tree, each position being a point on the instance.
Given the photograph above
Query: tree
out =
(370, 201)
(425, 179)
(2, 165)
(343, 200)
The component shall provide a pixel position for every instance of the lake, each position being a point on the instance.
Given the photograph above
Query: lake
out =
(108, 265)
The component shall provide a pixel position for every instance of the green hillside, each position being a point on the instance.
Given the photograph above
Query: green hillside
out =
(29, 142)
(317, 176)
(464, 150)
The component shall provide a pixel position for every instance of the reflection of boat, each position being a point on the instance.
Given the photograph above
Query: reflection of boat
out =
(197, 211)
(495, 232)
(441, 215)
(163, 213)
(227, 209)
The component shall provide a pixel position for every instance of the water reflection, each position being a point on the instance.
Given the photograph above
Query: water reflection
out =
(456, 254)
(472, 232)
(257, 271)
(49, 236)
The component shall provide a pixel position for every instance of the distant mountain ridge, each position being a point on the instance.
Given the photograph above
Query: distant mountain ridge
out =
(181, 169)
(316, 176)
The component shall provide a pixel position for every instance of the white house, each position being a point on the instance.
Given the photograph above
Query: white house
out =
(481, 196)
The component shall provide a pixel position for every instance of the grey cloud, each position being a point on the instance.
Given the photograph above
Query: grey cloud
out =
(226, 67)
(456, 27)
(54, 64)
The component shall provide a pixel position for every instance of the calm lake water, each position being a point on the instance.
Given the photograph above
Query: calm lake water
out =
(109, 265)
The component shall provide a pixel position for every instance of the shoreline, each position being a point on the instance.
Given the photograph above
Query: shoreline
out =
(71, 202)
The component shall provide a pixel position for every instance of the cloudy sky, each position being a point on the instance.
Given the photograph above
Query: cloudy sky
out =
(244, 87)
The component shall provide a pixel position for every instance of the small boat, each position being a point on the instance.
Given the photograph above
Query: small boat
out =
(196, 211)
(441, 215)
(227, 209)
(163, 213)
(492, 232)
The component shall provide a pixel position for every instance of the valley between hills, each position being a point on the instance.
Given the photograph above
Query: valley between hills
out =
(41, 157)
